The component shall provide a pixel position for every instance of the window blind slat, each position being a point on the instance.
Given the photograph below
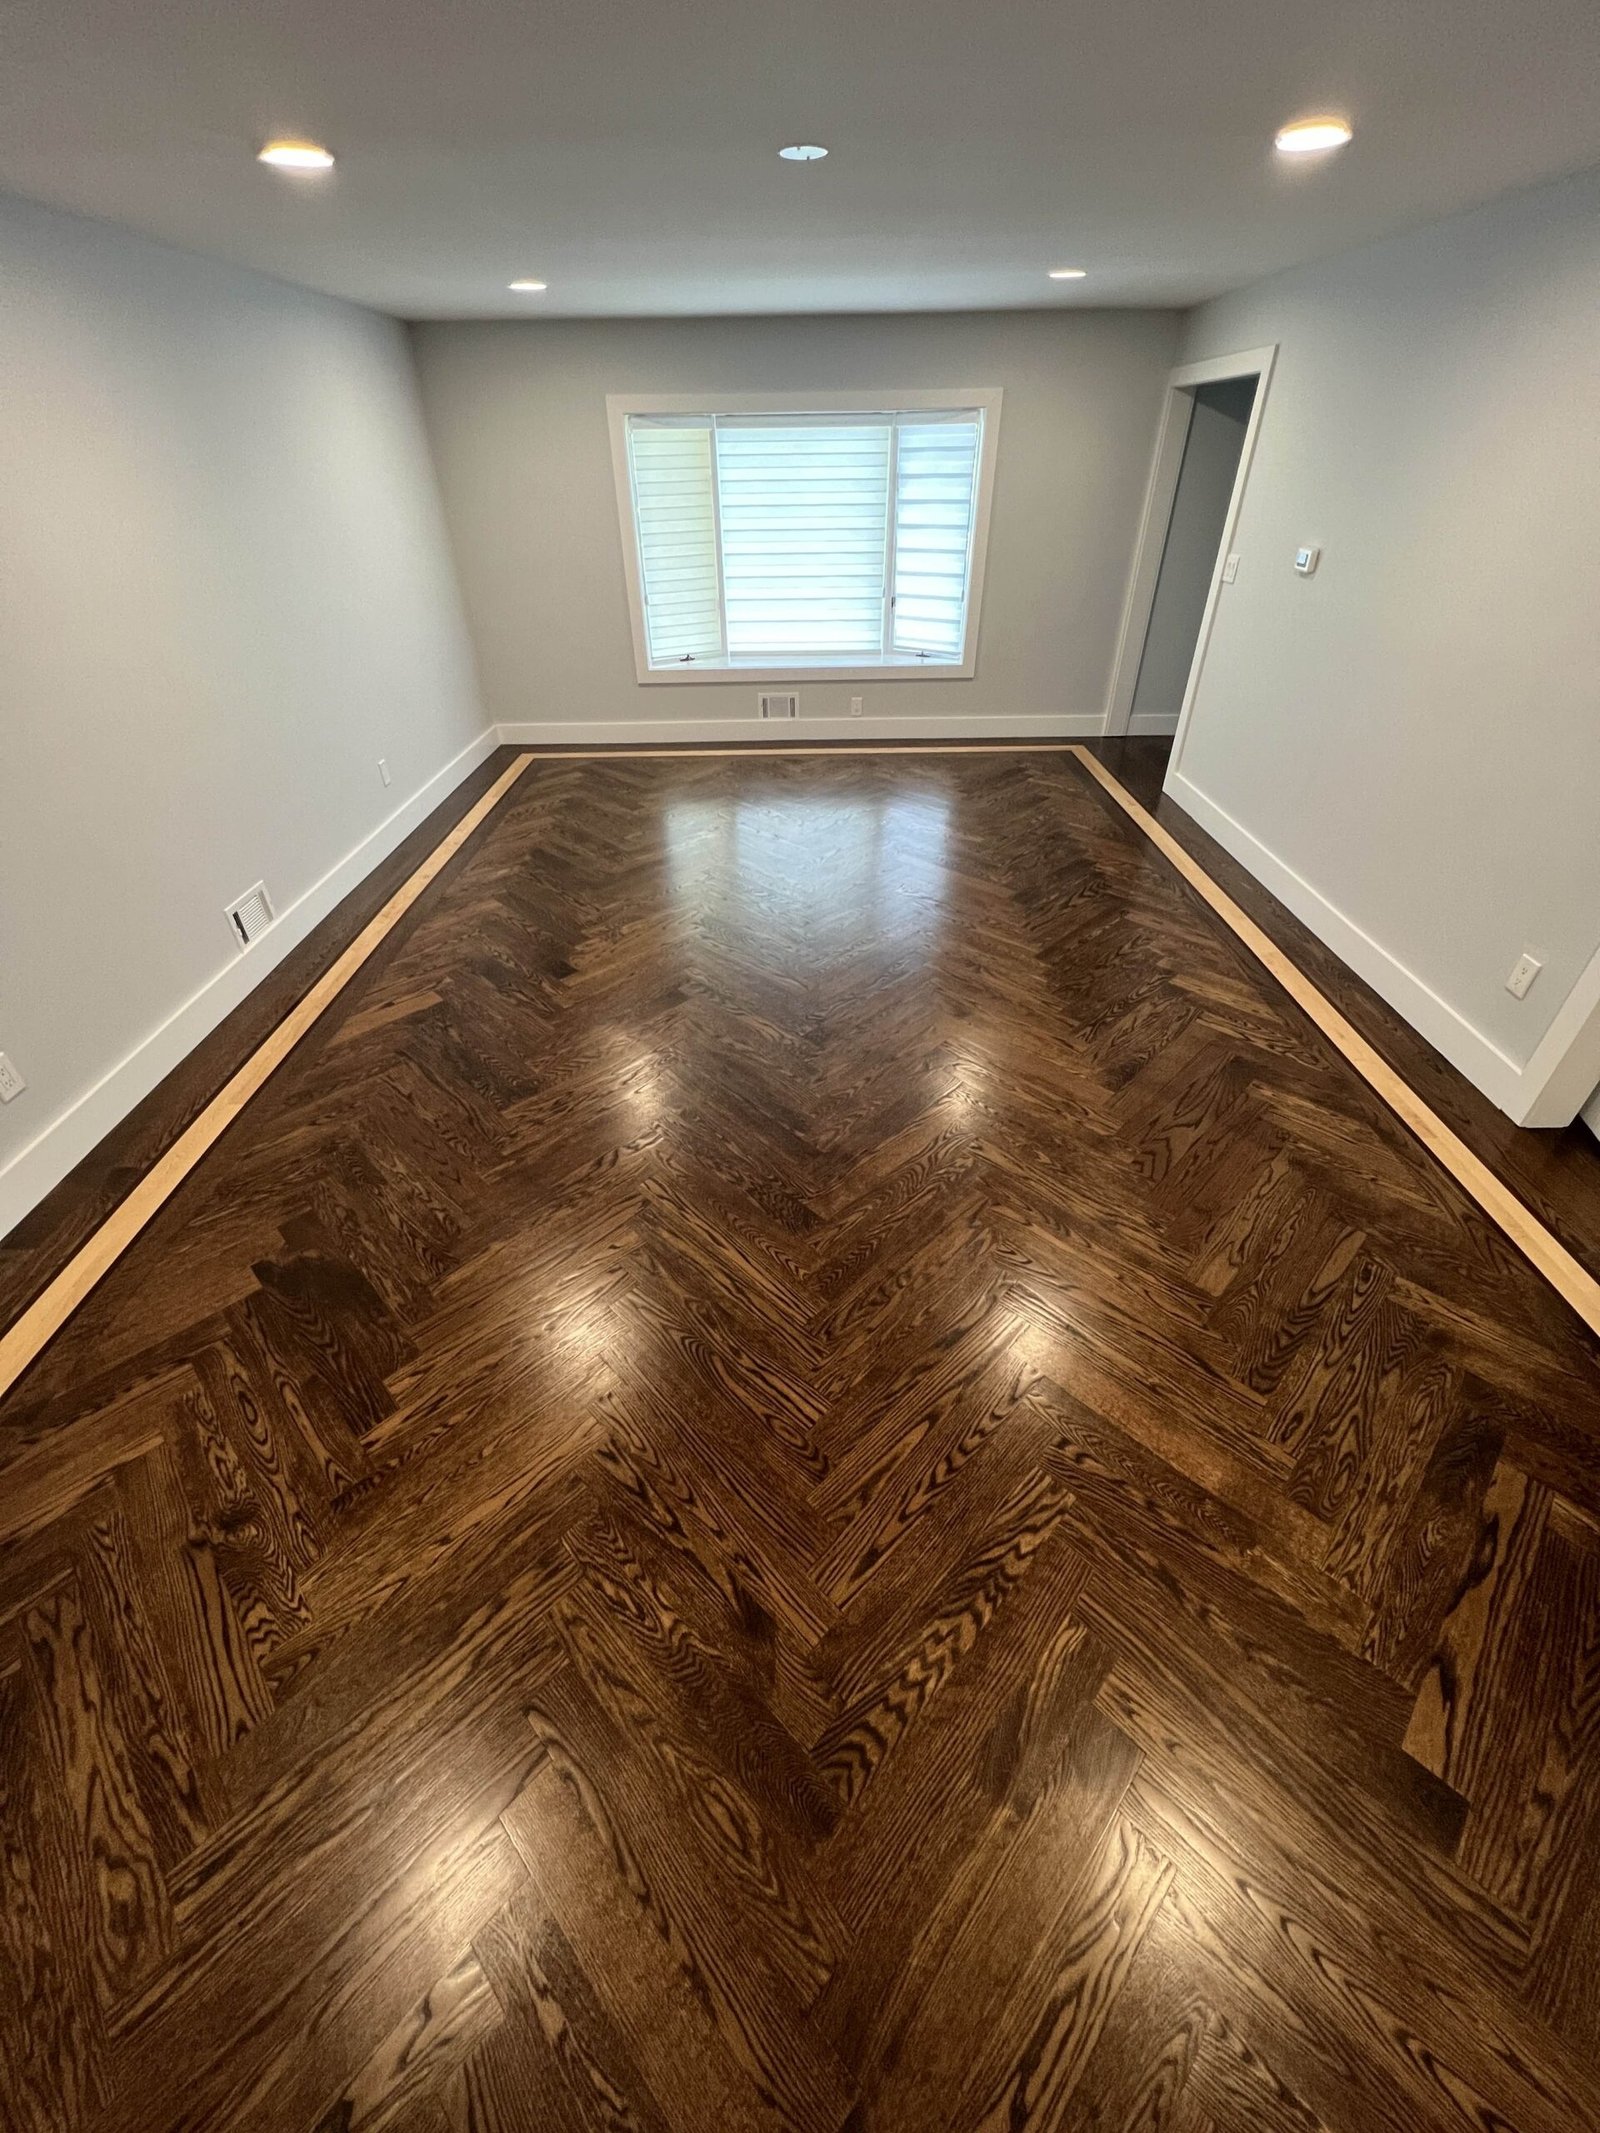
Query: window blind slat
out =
(675, 517)
(935, 491)
(805, 509)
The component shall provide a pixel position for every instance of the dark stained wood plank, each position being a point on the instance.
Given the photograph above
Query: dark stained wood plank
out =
(570, 2064)
(1135, 2076)
(128, 1922)
(1244, 2092)
(687, 2041)
(419, 2055)
(1113, 1904)
(1445, 1731)
(1355, 1978)
(50, 2034)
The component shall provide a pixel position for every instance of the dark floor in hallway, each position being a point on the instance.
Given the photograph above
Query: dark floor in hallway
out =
(812, 1467)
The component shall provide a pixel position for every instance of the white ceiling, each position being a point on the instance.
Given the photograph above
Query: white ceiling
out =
(624, 150)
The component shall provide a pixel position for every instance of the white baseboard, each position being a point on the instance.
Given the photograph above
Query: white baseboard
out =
(1466, 1047)
(39, 1166)
(1152, 722)
(740, 732)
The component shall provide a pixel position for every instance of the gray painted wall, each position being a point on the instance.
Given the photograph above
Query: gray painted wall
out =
(1413, 735)
(518, 420)
(225, 591)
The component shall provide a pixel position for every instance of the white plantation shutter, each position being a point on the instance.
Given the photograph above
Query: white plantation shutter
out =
(804, 512)
(674, 507)
(935, 490)
(769, 540)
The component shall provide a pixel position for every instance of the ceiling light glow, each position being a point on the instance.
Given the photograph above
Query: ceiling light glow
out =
(802, 152)
(1068, 273)
(295, 155)
(1313, 136)
(528, 288)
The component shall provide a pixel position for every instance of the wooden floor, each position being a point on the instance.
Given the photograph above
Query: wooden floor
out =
(813, 1466)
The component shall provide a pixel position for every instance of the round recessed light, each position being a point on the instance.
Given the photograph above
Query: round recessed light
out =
(1313, 136)
(1068, 273)
(528, 288)
(295, 155)
(802, 152)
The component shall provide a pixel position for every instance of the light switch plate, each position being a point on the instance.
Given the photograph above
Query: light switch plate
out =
(1306, 560)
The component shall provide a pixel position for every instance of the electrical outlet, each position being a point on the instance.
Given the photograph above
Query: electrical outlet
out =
(383, 768)
(11, 1081)
(1523, 972)
(855, 707)
(1230, 570)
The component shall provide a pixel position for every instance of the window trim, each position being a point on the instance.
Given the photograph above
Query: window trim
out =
(899, 400)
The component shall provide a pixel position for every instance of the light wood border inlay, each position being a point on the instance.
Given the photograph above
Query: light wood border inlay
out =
(692, 750)
(89, 1265)
(1543, 1251)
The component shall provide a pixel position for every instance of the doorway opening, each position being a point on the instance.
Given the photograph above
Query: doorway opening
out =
(1184, 555)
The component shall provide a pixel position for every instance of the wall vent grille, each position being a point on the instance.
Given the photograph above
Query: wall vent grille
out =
(779, 703)
(250, 917)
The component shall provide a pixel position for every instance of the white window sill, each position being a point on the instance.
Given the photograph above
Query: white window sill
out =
(881, 670)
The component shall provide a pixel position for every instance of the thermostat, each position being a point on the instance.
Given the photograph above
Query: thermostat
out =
(1305, 560)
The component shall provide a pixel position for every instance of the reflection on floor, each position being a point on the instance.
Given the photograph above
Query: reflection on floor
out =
(814, 1466)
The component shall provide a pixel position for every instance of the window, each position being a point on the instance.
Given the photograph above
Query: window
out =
(765, 539)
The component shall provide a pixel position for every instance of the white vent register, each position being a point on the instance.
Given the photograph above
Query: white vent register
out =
(250, 917)
(779, 703)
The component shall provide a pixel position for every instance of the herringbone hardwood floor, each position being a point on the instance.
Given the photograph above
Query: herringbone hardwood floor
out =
(813, 1466)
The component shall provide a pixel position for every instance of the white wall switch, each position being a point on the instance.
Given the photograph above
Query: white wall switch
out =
(1230, 570)
(1306, 560)
(1523, 972)
(383, 768)
(855, 707)
(11, 1081)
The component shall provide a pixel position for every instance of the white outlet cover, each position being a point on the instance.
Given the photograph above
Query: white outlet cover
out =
(12, 1082)
(1523, 972)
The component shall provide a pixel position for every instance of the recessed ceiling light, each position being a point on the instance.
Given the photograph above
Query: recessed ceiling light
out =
(802, 152)
(1068, 273)
(527, 288)
(295, 155)
(1309, 137)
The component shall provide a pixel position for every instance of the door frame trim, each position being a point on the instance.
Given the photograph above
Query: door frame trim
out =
(1155, 519)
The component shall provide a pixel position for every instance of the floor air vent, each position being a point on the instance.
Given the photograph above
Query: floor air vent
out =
(251, 915)
(779, 703)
